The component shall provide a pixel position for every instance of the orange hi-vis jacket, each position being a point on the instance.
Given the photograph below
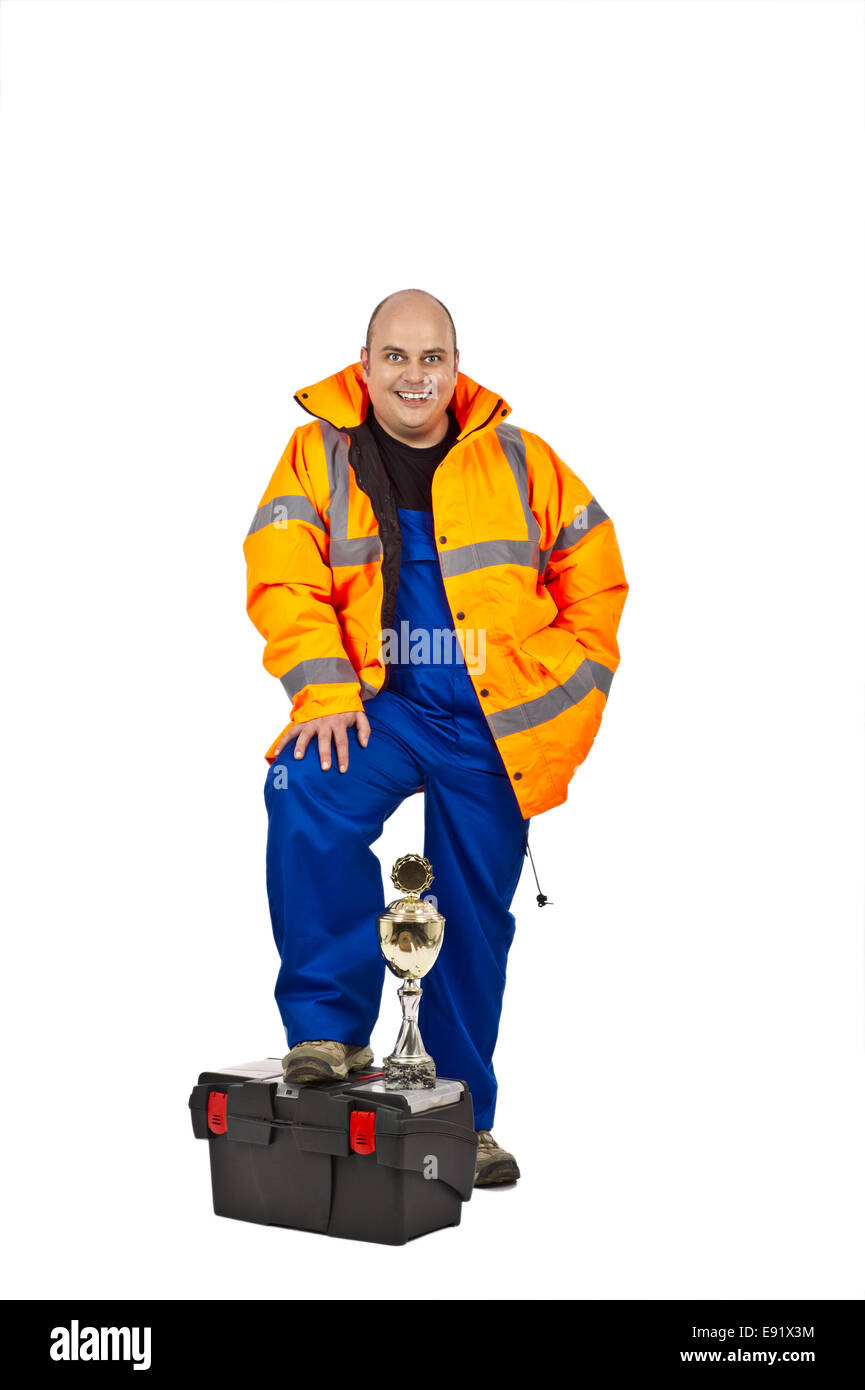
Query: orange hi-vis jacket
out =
(529, 561)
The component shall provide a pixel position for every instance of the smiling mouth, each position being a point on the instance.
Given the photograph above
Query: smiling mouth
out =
(414, 395)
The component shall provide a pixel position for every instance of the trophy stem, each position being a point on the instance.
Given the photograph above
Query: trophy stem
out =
(409, 1066)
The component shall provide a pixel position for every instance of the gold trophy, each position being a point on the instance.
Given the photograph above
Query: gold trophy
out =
(410, 935)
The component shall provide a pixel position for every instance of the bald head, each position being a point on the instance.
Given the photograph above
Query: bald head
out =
(408, 299)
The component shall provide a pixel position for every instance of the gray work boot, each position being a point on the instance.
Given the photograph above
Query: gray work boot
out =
(493, 1164)
(324, 1061)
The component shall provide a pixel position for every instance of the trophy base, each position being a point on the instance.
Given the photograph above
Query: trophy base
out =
(409, 1076)
(444, 1092)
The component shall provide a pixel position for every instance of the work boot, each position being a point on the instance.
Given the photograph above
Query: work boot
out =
(324, 1061)
(493, 1164)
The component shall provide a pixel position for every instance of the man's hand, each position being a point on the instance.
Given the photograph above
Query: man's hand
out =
(334, 726)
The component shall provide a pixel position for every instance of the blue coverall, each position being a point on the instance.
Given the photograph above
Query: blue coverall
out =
(324, 882)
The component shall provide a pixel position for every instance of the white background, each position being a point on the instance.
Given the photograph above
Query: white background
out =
(647, 220)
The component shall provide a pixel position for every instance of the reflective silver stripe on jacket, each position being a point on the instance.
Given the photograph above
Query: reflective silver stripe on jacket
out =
(336, 456)
(591, 515)
(319, 670)
(589, 675)
(476, 557)
(355, 552)
(514, 447)
(281, 509)
(360, 550)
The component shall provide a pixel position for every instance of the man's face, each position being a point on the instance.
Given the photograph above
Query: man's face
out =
(411, 370)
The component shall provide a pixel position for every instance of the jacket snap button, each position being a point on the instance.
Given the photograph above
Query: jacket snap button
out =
(442, 540)
(517, 776)
(485, 692)
(460, 615)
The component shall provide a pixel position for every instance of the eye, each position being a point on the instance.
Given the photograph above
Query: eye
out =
(433, 357)
(394, 354)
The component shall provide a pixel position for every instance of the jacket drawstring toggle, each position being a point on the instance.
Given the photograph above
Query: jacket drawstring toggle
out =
(542, 898)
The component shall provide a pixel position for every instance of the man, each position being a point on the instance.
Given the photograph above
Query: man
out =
(409, 511)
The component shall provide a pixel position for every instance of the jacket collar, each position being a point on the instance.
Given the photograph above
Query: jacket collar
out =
(342, 401)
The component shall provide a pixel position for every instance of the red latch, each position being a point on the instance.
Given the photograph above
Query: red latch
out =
(362, 1131)
(216, 1103)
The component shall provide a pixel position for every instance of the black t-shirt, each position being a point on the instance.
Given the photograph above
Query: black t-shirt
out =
(411, 470)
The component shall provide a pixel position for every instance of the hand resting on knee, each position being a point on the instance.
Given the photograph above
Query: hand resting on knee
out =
(334, 727)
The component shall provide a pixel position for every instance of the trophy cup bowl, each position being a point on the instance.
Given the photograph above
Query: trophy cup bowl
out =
(410, 935)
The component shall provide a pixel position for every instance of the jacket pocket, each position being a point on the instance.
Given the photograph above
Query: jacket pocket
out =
(554, 649)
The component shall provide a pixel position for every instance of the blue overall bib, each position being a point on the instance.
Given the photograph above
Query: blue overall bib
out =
(324, 882)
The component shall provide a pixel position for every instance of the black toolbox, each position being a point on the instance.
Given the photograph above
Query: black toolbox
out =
(345, 1158)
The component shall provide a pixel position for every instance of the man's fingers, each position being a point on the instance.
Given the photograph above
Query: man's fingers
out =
(306, 733)
(283, 743)
(340, 739)
(303, 733)
(324, 747)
